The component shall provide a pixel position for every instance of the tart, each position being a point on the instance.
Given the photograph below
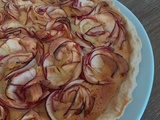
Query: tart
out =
(66, 60)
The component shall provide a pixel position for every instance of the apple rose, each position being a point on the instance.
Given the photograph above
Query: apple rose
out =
(1, 18)
(15, 44)
(24, 90)
(101, 65)
(4, 113)
(63, 62)
(101, 27)
(17, 55)
(39, 15)
(55, 28)
(16, 63)
(31, 115)
(74, 99)
(16, 11)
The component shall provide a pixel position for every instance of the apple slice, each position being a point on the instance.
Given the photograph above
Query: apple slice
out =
(12, 10)
(46, 12)
(4, 113)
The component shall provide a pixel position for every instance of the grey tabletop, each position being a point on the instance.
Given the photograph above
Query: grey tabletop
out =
(148, 12)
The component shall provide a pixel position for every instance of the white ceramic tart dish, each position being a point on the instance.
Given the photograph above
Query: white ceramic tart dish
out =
(66, 60)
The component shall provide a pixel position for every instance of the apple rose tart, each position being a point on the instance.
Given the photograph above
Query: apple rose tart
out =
(66, 60)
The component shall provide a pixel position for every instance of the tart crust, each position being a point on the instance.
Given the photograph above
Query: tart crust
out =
(123, 97)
